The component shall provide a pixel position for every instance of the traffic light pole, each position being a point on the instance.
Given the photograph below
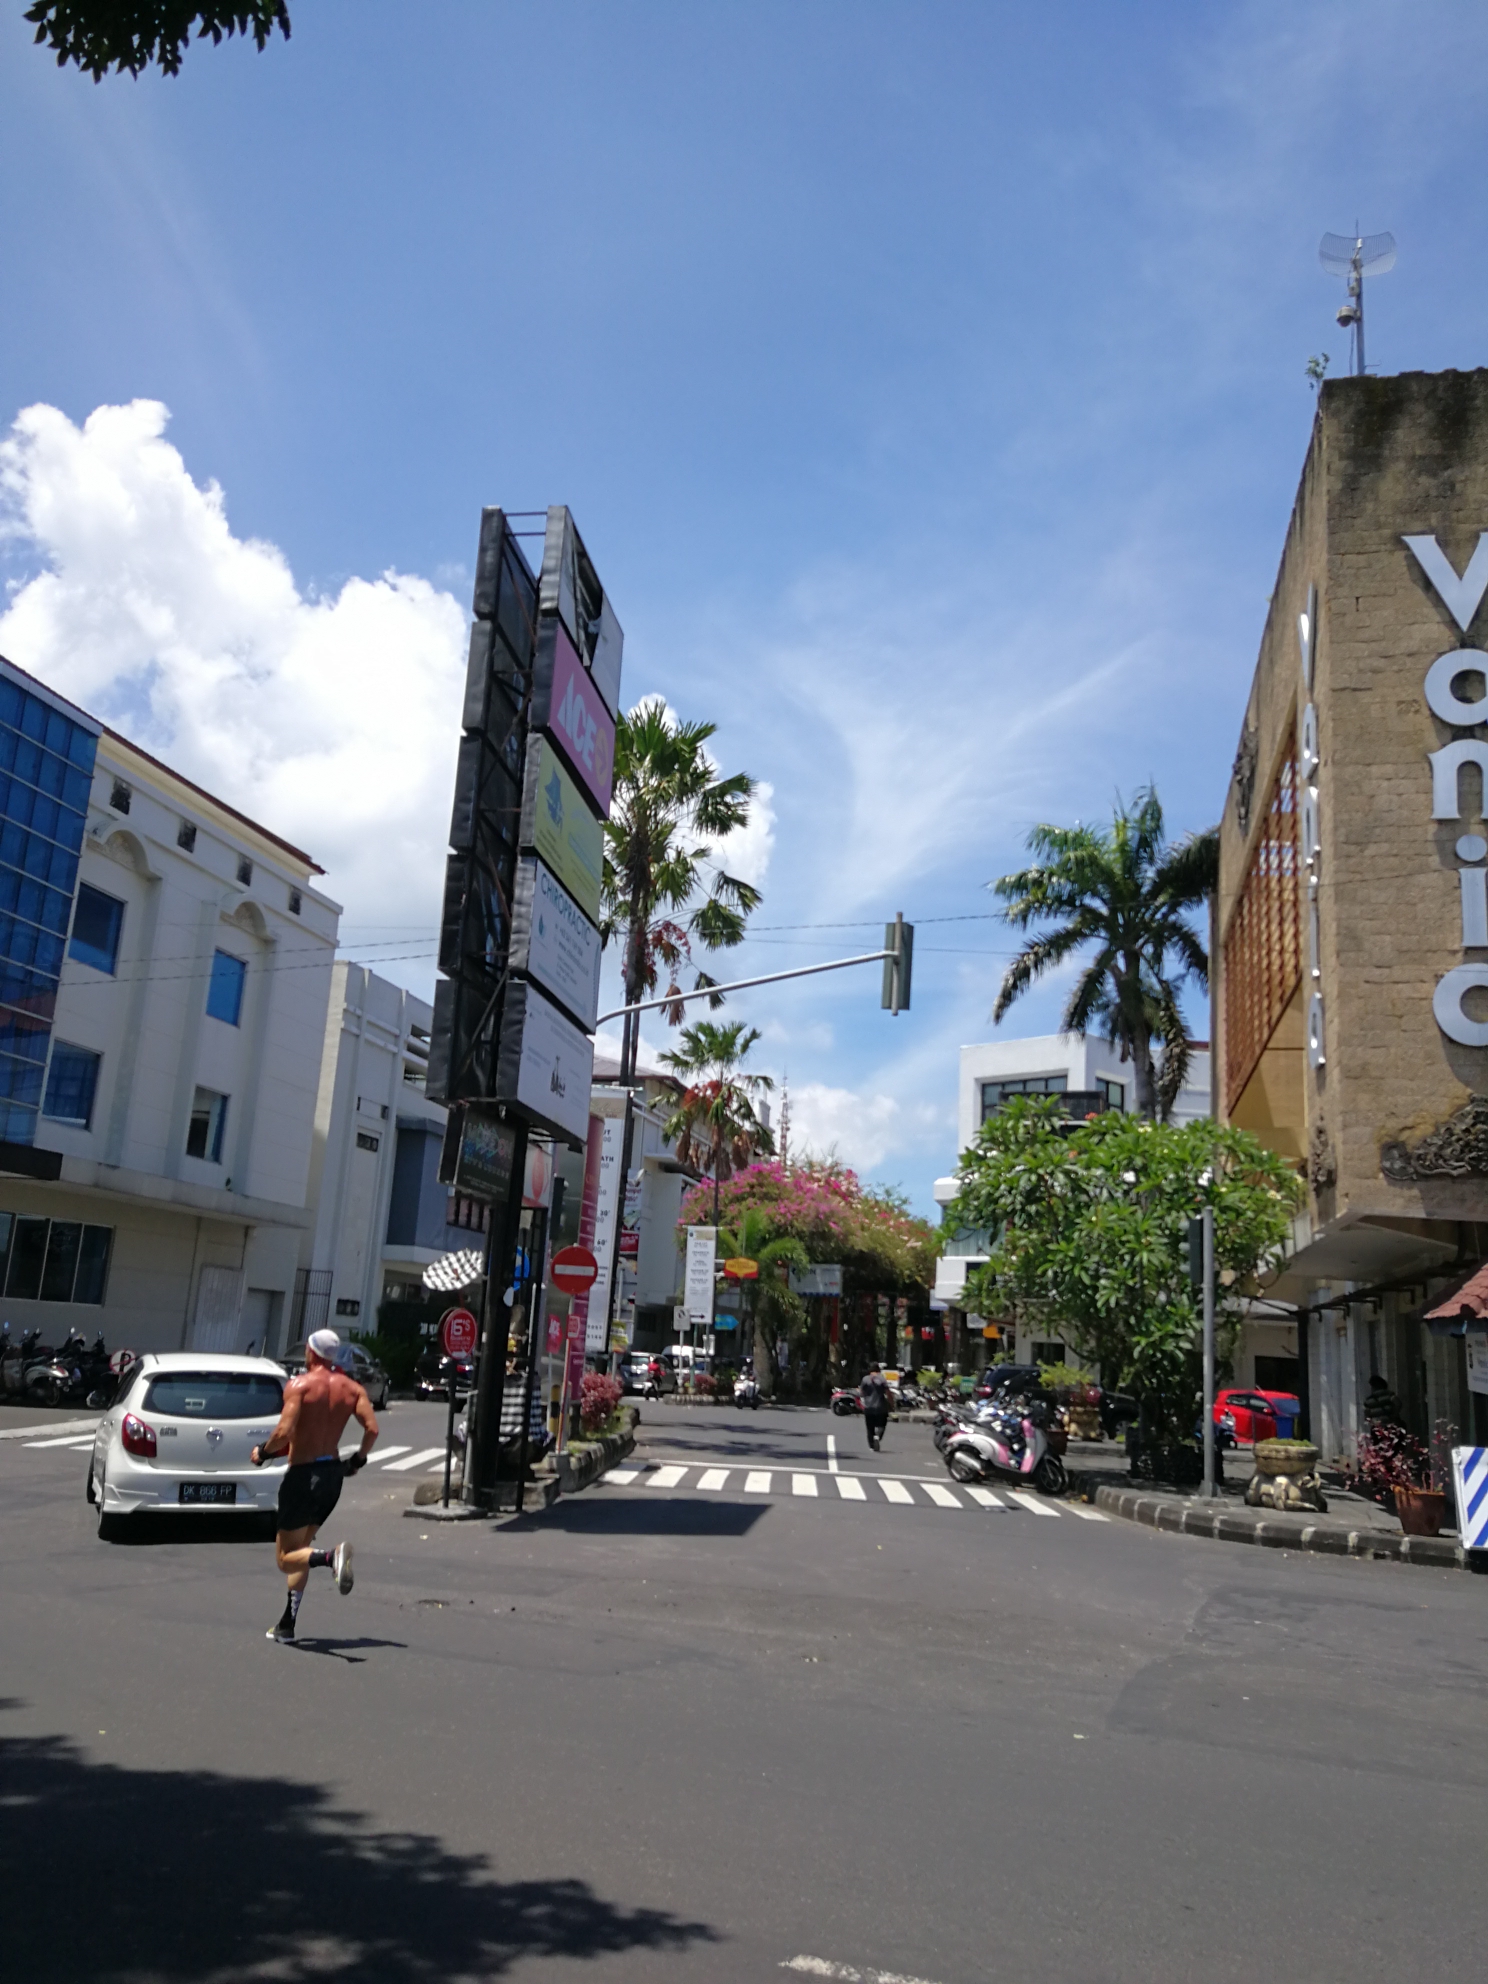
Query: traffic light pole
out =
(769, 978)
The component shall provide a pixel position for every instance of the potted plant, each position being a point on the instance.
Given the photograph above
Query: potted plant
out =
(1395, 1470)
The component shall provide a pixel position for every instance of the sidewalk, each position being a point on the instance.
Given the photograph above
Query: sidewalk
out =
(1352, 1527)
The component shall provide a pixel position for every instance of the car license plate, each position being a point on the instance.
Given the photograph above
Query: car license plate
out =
(208, 1491)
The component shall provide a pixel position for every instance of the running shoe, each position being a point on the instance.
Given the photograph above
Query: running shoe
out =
(281, 1632)
(341, 1565)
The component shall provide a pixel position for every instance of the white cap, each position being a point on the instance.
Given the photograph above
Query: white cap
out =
(326, 1344)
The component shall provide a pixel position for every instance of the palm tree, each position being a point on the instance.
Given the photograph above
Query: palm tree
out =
(772, 1307)
(715, 1123)
(1128, 892)
(669, 807)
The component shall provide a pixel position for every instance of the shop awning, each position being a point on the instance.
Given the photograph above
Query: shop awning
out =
(1462, 1308)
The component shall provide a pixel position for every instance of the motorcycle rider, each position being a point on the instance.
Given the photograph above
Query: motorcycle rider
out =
(874, 1392)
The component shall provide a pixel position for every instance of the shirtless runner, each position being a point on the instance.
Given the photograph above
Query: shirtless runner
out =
(316, 1409)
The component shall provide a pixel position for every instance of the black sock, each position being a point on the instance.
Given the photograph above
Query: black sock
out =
(321, 1559)
(291, 1606)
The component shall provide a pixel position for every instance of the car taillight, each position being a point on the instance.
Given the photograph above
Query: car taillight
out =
(138, 1438)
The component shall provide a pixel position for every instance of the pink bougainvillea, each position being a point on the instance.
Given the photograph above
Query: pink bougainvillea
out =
(826, 1208)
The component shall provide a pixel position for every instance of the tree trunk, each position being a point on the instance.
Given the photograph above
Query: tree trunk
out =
(764, 1351)
(1143, 1079)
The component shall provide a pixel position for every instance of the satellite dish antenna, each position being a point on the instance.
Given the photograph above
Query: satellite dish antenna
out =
(1356, 256)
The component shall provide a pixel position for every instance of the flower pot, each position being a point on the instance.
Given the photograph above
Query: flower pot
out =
(1285, 1457)
(1422, 1511)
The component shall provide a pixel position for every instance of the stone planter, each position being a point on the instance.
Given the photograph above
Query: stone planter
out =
(1084, 1422)
(1286, 1477)
(1422, 1511)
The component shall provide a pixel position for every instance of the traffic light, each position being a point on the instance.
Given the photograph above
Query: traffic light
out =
(899, 947)
(1196, 1252)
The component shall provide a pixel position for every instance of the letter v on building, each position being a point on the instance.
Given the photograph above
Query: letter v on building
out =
(1461, 596)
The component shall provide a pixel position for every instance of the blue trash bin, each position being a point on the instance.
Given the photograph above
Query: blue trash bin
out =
(1287, 1413)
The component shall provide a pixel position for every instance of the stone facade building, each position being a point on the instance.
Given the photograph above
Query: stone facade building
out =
(1350, 980)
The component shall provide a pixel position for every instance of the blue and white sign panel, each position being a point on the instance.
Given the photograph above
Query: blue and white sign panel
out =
(554, 942)
(1470, 1475)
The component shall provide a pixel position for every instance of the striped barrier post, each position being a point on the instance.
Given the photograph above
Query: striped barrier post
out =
(1470, 1478)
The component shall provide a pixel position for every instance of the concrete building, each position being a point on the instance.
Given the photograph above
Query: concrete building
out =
(379, 1215)
(1351, 945)
(165, 967)
(1090, 1077)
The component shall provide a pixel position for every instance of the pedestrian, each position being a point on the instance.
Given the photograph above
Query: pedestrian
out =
(316, 1409)
(874, 1392)
(1382, 1407)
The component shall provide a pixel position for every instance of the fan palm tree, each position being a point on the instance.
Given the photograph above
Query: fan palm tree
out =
(773, 1310)
(1130, 893)
(669, 808)
(716, 1124)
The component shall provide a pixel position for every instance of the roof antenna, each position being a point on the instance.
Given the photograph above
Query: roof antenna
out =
(1356, 256)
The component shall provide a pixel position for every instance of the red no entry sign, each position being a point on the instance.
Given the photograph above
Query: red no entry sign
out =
(574, 1270)
(457, 1332)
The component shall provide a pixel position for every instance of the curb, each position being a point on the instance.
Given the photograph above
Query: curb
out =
(581, 1466)
(1187, 1519)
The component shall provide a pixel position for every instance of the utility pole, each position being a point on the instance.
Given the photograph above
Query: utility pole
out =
(1210, 1454)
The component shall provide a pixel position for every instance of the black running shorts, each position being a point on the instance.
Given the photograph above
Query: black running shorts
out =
(309, 1492)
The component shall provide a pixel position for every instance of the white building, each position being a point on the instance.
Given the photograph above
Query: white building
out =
(1090, 1076)
(379, 1214)
(163, 996)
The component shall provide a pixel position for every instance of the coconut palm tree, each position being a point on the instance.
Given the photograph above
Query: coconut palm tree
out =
(715, 1123)
(1129, 893)
(670, 807)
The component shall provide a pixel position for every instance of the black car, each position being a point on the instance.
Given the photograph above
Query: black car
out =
(356, 1363)
(1008, 1378)
(430, 1379)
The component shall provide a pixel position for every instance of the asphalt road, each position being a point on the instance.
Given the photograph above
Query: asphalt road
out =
(668, 1732)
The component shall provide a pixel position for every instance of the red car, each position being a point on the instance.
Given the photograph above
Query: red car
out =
(1248, 1416)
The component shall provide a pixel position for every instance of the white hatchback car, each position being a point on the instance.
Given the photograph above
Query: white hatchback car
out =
(179, 1434)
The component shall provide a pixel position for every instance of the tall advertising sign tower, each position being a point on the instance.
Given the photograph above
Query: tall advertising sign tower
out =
(514, 1010)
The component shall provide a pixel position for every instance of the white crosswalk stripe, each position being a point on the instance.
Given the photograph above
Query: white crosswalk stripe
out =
(1031, 1502)
(713, 1478)
(942, 1497)
(382, 1455)
(420, 1459)
(665, 1477)
(67, 1440)
(911, 1494)
(1090, 1515)
(895, 1491)
(850, 1488)
(987, 1499)
(620, 1477)
(756, 1484)
(803, 1484)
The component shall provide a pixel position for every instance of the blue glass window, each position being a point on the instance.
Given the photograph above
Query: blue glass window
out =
(225, 990)
(72, 1084)
(96, 924)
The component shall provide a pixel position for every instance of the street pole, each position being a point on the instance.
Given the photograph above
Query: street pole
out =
(1209, 1447)
(481, 1449)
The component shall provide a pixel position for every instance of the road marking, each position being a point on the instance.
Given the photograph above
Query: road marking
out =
(987, 1499)
(1031, 1502)
(832, 1453)
(714, 1478)
(390, 1453)
(665, 1477)
(1090, 1515)
(942, 1497)
(756, 1484)
(895, 1491)
(818, 1966)
(850, 1488)
(414, 1460)
(67, 1440)
(803, 1484)
(621, 1476)
(29, 1434)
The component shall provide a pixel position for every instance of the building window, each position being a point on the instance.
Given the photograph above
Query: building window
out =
(225, 989)
(186, 837)
(72, 1084)
(366, 1142)
(245, 871)
(994, 1094)
(208, 1119)
(346, 1307)
(296, 902)
(53, 1260)
(1263, 943)
(96, 924)
(1114, 1093)
(120, 797)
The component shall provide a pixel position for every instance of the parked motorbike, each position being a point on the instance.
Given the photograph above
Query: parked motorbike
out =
(77, 1374)
(846, 1402)
(1003, 1444)
(747, 1392)
(19, 1361)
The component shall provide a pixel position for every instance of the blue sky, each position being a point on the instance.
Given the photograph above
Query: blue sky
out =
(927, 381)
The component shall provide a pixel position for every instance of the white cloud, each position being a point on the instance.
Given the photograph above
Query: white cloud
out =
(332, 721)
(745, 853)
(862, 1129)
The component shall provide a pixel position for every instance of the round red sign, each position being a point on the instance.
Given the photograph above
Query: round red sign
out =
(457, 1329)
(574, 1270)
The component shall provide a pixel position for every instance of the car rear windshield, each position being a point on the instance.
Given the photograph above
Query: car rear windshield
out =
(215, 1395)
